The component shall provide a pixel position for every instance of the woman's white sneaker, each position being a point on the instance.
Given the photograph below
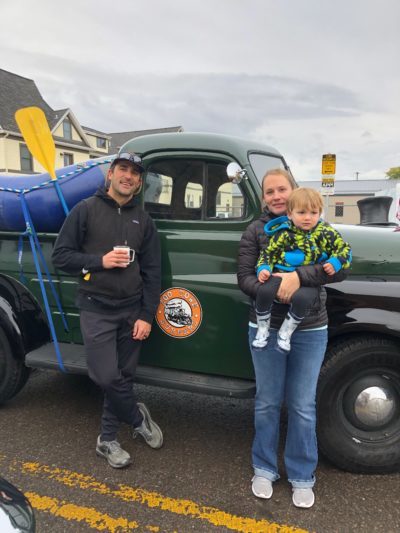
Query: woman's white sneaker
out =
(303, 497)
(262, 487)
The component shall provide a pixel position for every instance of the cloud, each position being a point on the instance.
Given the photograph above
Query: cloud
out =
(110, 98)
(234, 103)
(308, 139)
(307, 77)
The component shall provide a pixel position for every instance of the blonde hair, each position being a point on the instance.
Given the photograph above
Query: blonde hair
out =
(279, 172)
(305, 198)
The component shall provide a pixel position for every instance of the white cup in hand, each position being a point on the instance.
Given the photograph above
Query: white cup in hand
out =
(130, 252)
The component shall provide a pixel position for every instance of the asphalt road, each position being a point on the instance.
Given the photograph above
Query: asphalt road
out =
(198, 482)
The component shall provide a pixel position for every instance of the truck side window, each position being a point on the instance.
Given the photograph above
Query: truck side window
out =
(174, 189)
(261, 162)
(224, 199)
(158, 189)
(193, 195)
(191, 189)
(229, 201)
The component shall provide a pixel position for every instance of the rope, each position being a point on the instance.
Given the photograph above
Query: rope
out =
(78, 170)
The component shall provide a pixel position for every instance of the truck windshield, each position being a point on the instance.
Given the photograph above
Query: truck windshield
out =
(260, 163)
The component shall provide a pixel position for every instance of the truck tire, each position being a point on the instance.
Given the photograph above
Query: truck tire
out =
(13, 373)
(359, 405)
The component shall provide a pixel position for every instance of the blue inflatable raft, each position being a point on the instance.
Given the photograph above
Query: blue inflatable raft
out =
(76, 182)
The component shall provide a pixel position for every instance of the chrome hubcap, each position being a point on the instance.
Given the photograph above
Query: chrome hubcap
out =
(371, 403)
(374, 406)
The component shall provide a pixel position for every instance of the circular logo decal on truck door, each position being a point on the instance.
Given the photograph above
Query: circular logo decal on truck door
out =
(179, 313)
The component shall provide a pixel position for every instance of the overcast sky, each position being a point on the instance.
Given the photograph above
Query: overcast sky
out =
(306, 76)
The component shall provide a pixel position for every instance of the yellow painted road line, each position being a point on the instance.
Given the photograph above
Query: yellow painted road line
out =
(77, 513)
(155, 500)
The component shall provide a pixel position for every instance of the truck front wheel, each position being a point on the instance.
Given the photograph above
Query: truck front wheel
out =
(13, 372)
(359, 405)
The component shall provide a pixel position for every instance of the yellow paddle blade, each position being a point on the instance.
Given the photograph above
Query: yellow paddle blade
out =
(36, 132)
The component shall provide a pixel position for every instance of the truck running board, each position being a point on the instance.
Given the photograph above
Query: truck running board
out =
(74, 359)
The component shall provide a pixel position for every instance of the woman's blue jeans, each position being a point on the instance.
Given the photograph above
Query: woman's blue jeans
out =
(290, 378)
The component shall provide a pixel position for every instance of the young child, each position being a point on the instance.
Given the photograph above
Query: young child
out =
(301, 238)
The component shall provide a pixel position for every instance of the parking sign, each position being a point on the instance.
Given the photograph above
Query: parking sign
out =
(329, 164)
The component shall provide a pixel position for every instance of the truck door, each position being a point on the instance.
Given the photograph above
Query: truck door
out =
(200, 215)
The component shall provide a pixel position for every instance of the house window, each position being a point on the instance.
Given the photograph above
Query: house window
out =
(68, 159)
(339, 209)
(101, 142)
(67, 129)
(25, 158)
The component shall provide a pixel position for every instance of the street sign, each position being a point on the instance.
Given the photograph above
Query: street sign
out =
(328, 175)
(328, 186)
(329, 164)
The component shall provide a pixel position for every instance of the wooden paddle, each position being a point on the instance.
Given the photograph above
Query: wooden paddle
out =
(35, 130)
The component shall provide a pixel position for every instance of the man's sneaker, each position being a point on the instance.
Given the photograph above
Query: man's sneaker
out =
(149, 430)
(112, 451)
(262, 487)
(303, 497)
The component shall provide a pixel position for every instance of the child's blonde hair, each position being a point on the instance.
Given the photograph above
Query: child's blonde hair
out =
(305, 198)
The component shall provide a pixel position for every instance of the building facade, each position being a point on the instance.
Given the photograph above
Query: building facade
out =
(341, 207)
(74, 143)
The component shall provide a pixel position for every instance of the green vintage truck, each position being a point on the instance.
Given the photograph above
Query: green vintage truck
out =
(200, 214)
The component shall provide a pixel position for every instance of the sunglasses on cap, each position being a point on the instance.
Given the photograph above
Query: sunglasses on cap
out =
(131, 158)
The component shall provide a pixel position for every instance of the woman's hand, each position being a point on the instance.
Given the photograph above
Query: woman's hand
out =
(289, 285)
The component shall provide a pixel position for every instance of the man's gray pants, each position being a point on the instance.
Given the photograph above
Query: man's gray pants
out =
(112, 357)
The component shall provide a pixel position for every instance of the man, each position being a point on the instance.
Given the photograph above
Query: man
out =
(117, 296)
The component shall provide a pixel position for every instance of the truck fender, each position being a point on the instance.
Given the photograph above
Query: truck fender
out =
(21, 317)
(9, 324)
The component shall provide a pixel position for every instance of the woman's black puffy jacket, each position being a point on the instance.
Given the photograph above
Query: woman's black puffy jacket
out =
(253, 240)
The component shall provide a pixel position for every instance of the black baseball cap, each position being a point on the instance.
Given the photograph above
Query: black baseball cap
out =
(131, 158)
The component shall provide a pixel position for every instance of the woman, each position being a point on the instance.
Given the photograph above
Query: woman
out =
(290, 377)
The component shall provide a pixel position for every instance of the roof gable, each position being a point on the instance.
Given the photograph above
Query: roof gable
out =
(64, 114)
(17, 92)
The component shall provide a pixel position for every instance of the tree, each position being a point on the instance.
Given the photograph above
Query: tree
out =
(393, 173)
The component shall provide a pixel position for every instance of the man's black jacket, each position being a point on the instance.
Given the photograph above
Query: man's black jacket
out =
(92, 229)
